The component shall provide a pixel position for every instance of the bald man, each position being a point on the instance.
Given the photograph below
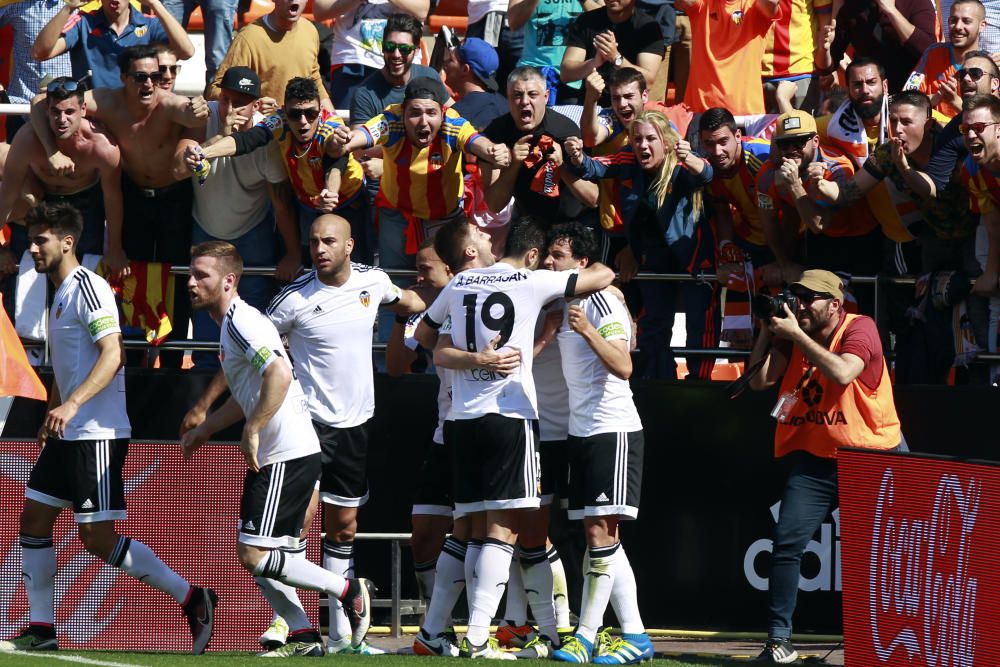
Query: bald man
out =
(328, 315)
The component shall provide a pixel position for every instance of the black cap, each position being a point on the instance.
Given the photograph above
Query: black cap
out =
(426, 88)
(241, 80)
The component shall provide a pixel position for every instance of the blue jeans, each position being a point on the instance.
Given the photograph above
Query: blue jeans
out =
(659, 308)
(257, 248)
(219, 16)
(811, 492)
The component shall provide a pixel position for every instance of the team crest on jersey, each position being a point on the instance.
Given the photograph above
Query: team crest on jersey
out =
(737, 16)
(365, 298)
(139, 32)
(435, 161)
(59, 310)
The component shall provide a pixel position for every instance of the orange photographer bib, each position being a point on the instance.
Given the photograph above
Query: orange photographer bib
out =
(827, 415)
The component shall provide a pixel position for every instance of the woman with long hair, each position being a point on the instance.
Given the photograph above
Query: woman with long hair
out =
(662, 205)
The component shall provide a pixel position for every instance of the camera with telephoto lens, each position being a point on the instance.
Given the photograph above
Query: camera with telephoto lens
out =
(766, 306)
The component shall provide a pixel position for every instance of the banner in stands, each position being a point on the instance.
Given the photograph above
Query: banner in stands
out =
(921, 560)
(187, 512)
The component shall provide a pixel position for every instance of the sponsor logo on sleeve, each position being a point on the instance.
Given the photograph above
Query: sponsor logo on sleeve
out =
(102, 324)
(612, 329)
(260, 358)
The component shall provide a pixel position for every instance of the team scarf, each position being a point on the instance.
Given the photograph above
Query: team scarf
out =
(847, 131)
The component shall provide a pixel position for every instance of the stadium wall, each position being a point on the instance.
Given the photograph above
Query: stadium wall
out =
(699, 548)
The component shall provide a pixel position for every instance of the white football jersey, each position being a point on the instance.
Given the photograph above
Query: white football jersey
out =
(483, 304)
(444, 375)
(249, 343)
(599, 401)
(83, 312)
(329, 332)
(553, 396)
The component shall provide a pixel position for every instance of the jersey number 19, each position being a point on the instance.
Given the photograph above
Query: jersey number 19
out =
(503, 325)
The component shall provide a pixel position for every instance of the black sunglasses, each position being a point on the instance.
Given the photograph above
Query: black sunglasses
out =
(975, 73)
(173, 69)
(298, 114)
(63, 84)
(143, 77)
(405, 49)
(809, 297)
(794, 142)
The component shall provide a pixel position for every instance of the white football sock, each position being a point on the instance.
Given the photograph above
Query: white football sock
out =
(598, 579)
(624, 596)
(38, 570)
(492, 571)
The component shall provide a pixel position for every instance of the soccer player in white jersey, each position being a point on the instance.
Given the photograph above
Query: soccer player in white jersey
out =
(431, 515)
(84, 441)
(493, 309)
(605, 454)
(328, 315)
(281, 450)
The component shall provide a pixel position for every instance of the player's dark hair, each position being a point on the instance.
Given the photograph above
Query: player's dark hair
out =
(864, 61)
(225, 252)
(451, 241)
(58, 92)
(581, 239)
(133, 53)
(625, 76)
(716, 118)
(62, 218)
(913, 98)
(524, 235)
(301, 89)
(404, 23)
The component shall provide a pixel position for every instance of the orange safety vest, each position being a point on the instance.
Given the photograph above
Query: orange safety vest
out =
(828, 415)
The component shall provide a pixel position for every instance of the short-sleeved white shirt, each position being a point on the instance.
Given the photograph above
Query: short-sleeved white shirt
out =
(329, 333)
(483, 303)
(599, 401)
(83, 312)
(444, 375)
(249, 345)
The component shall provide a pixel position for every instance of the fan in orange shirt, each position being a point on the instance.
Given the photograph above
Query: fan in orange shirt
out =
(727, 43)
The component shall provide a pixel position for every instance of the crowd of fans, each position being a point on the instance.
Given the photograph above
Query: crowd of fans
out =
(868, 147)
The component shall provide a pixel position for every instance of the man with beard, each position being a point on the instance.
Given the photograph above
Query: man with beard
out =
(937, 72)
(981, 174)
(322, 178)
(846, 239)
(422, 184)
(860, 123)
(94, 187)
(835, 392)
(534, 135)
(84, 442)
(279, 47)
(281, 449)
(327, 315)
(979, 76)
(147, 122)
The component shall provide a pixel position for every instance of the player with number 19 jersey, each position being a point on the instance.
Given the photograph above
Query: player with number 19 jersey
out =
(492, 301)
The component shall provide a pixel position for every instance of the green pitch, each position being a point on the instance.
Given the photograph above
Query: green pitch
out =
(114, 659)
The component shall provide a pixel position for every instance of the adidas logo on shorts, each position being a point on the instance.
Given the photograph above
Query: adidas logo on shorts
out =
(603, 498)
(249, 526)
(87, 505)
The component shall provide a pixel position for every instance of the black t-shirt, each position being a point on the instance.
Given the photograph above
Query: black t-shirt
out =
(949, 150)
(546, 209)
(481, 108)
(639, 34)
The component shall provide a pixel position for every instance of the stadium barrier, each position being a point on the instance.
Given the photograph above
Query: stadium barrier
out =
(700, 547)
(921, 559)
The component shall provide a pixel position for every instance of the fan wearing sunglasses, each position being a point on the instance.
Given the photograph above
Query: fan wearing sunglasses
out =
(147, 123)
(323, 178)
(938, 73)
(169, 67)
(94, 186)
(980, 129)
(786, 184)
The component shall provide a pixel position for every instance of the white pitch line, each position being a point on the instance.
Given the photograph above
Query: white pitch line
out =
(69, 658)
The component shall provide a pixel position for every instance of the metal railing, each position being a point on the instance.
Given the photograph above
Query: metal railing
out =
(397, 606)
(703, 277)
